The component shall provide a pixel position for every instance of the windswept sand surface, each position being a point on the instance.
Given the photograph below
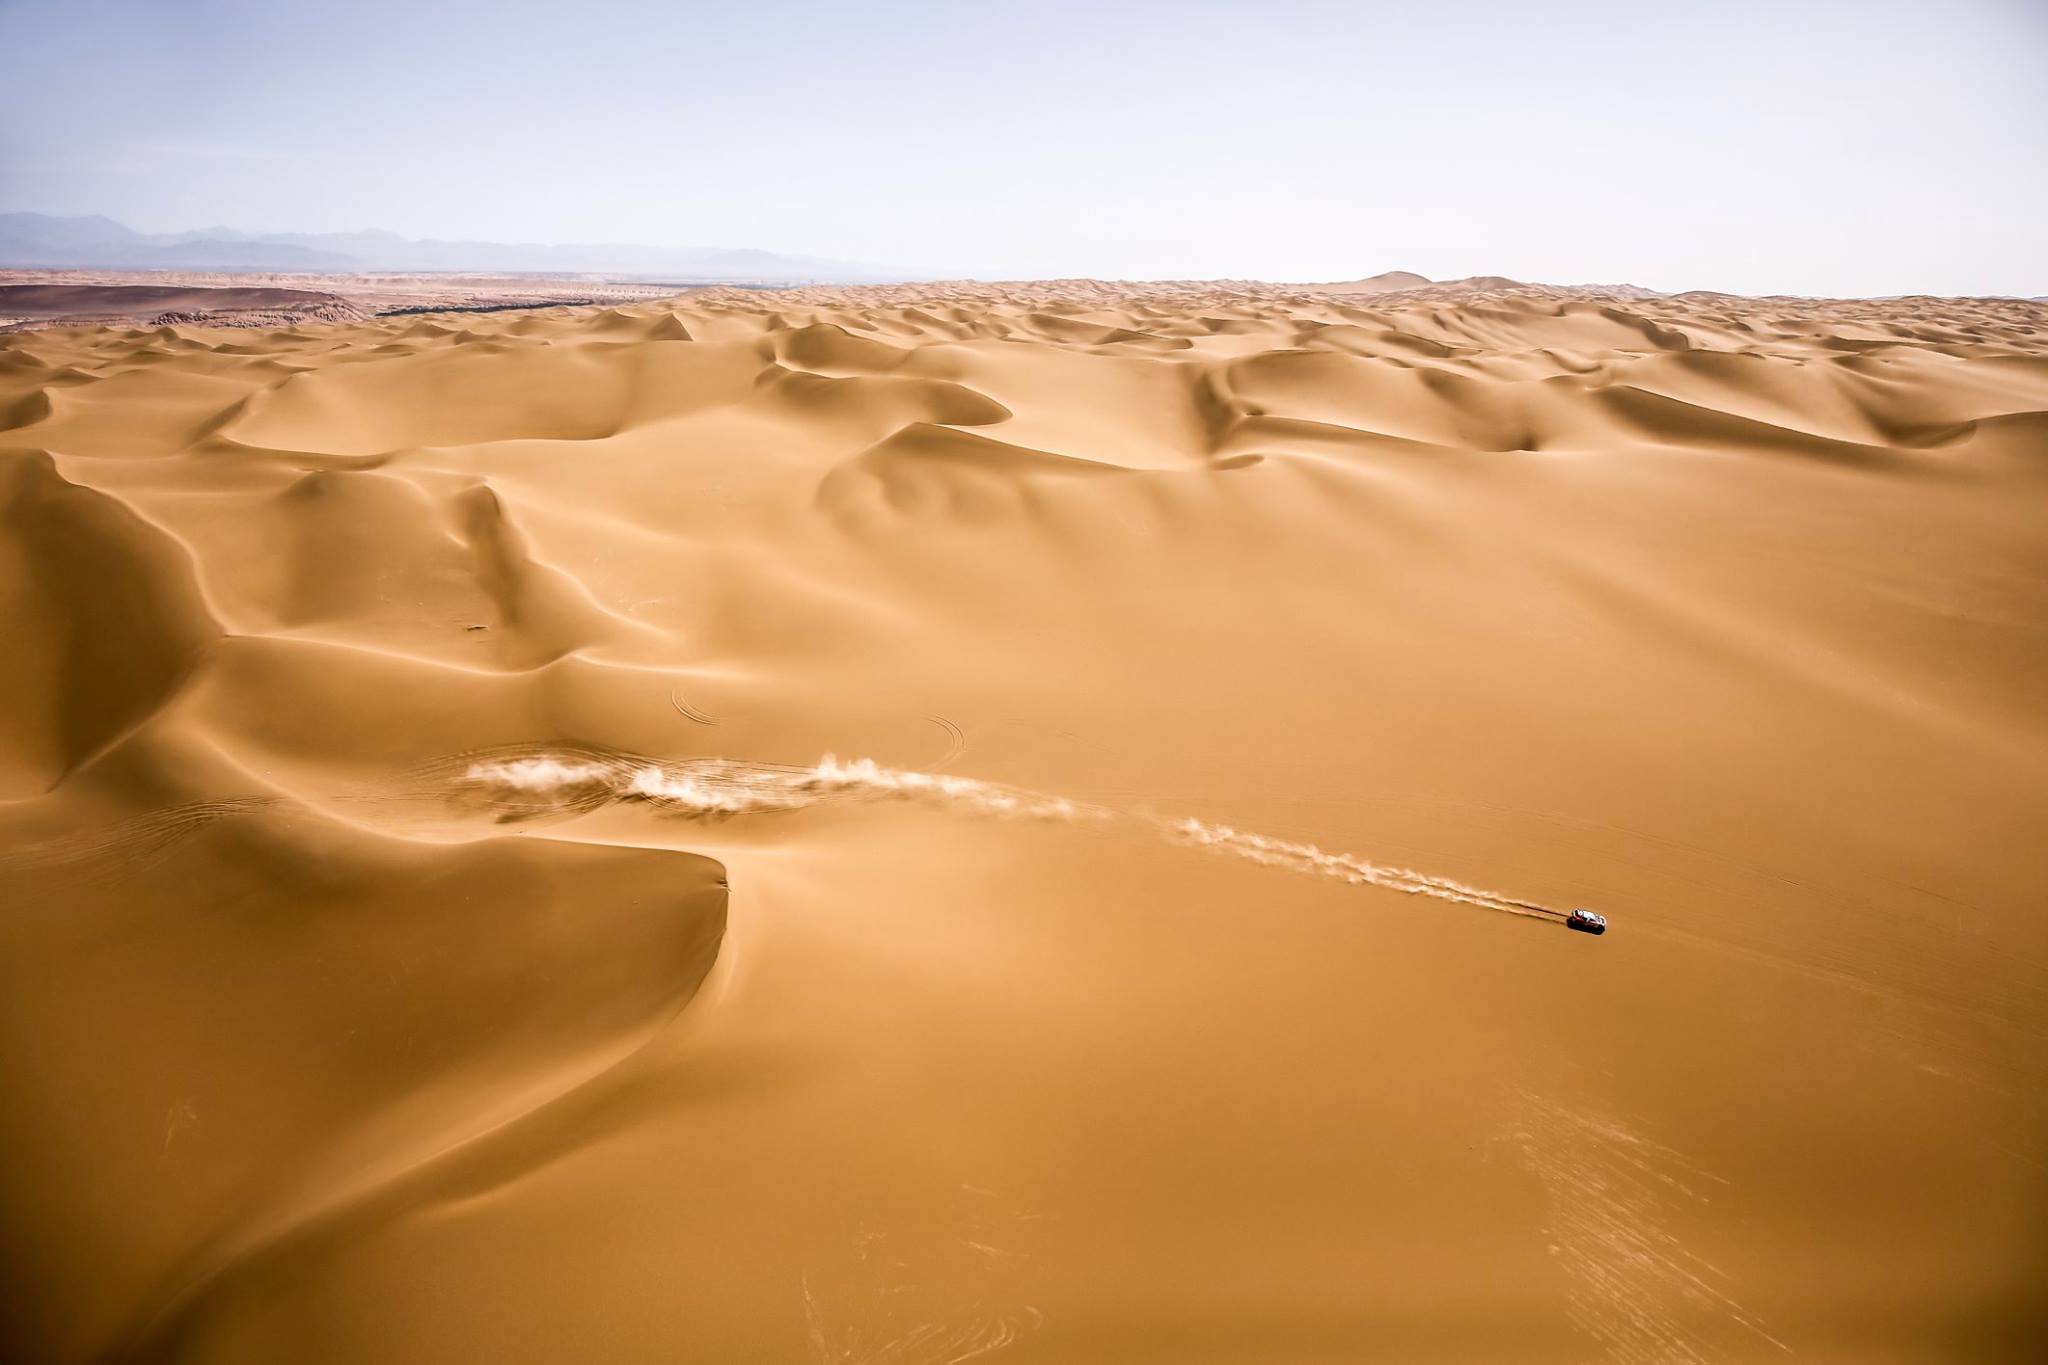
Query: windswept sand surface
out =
(908, 826)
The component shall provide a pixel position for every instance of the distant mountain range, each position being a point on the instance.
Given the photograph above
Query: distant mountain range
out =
(31, 240)
(40, 239)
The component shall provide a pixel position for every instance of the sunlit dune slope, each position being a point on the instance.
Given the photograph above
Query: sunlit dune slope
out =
(1119, 714)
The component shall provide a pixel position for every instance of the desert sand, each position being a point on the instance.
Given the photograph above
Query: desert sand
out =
(1027, 823)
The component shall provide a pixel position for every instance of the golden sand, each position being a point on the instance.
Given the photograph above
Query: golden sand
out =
(906, 826)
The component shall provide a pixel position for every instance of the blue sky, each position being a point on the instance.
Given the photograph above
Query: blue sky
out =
(1801, 146)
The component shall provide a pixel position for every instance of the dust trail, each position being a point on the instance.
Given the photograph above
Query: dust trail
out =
(1346, 867)
(711, 789)
(720, 788)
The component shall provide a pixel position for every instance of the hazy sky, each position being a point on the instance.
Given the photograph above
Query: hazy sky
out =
(1800, 146)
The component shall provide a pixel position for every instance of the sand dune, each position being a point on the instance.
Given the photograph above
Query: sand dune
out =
(436, 929)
